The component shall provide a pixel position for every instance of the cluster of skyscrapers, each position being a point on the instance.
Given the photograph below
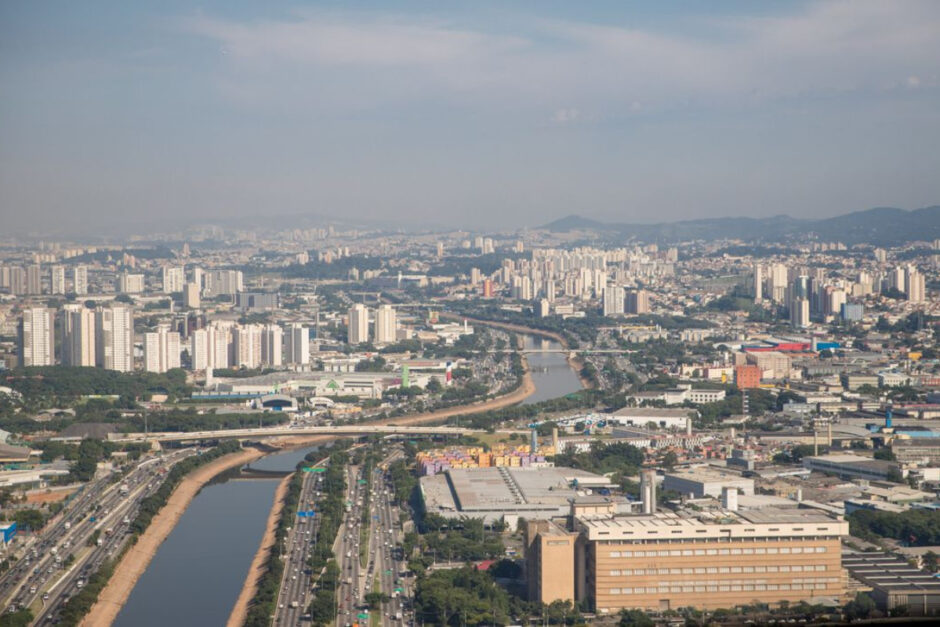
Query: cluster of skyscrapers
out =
(104, 338)
(809, 293)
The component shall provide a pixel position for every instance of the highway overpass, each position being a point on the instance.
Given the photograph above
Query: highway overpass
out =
(272, 432)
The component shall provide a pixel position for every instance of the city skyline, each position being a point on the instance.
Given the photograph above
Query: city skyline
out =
(419, 116)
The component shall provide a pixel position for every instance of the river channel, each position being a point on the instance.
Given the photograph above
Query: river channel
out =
(198, 572)
(552, 375)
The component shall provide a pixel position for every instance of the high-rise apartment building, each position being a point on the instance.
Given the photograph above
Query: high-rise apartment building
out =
(297, 343)
(57, 285)
(199, 349)
(191, 297)
(17, 281)
(37, 344)
(34, 279)
(130, 283)
(161, 350)
(915, 285)
(758, 284)
(80, 280)
(272, 342)
(358, 332)
(799, 312)
(386, 325)
(614, 299)
(247, 346)
(114, 338)
(638, 302)
(224, 282)
(173, 279)
(78, 336)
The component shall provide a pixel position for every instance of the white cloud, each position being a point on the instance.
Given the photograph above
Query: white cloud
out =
(842, 45)
(563, 116)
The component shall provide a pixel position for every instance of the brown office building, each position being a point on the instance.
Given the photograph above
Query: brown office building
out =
(703, 559)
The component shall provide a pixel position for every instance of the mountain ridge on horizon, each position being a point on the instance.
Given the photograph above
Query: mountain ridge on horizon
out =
(877, 225)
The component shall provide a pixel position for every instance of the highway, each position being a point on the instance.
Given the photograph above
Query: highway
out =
(44, 579)
(266, 432)
(350, 597)
(295, 582)
(385, 564)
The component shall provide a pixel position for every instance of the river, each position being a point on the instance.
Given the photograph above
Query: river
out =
(552, 375)
(198, 572)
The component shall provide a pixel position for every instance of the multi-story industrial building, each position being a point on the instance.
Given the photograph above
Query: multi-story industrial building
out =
(664, 560)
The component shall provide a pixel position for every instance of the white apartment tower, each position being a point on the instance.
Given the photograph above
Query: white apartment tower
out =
(36, 337)
(80, 280)
(58, 280)
(199, 349)
(915, 284)
(298, 345)
(161, 350)
(272, 341)
(614, 298)
(78, 336)
(247, 345)
(758, 283)
(358, 332)
(173, 279)
(114, 338)
(385, 325)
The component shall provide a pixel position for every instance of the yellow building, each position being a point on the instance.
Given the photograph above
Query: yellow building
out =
(550, 553)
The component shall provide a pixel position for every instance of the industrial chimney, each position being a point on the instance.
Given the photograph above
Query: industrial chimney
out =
(648, 491)
(729, 499)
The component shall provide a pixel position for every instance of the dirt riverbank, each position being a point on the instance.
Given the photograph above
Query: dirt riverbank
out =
(138, 557)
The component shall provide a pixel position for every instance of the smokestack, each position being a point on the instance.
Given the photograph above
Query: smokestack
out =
(729, 499)
(555, 439)
(648, 491)
(534, 442)
(688, 426)
(815, 441)
(799, 495)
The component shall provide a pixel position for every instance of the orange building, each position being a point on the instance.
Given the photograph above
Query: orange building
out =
(747, 377)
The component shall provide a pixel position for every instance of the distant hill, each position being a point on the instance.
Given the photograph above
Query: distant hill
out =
(883, 226)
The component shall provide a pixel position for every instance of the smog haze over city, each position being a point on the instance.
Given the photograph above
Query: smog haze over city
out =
(610, 313)
(423, 115)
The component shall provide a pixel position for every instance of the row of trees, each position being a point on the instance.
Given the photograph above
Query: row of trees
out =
(261, 607)
(915, 527)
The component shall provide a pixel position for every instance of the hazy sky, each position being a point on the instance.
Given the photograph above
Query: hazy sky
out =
(484, 114)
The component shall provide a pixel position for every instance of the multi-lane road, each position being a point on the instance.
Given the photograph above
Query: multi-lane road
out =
(350, 596)
(92, 528)
(295, 583)
(385, 559)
